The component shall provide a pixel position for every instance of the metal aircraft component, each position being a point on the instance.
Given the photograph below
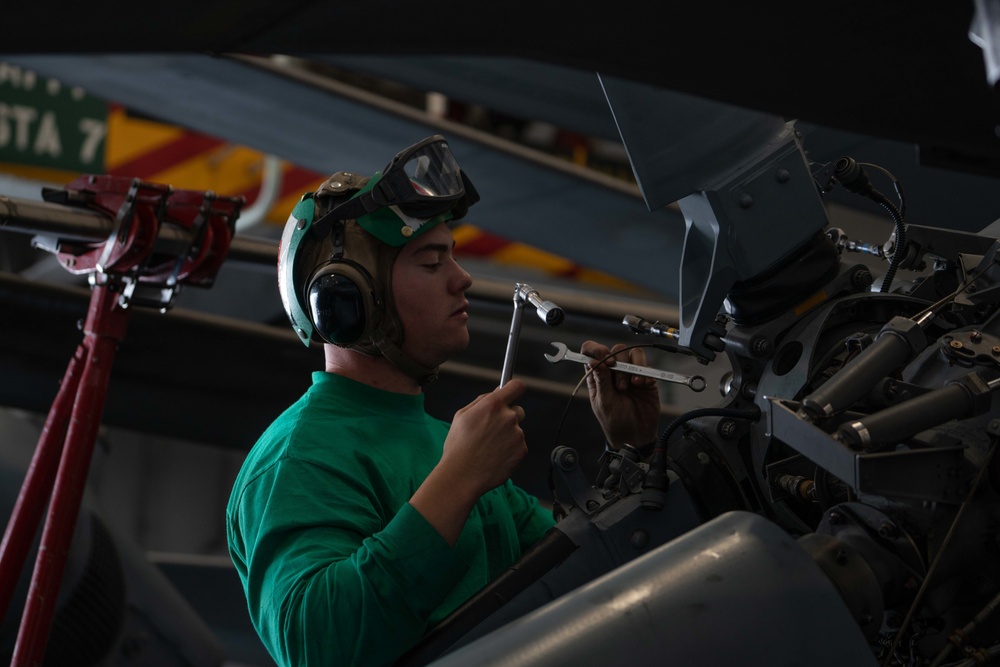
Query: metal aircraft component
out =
(746, 191)
(866, 423)
(675, 599)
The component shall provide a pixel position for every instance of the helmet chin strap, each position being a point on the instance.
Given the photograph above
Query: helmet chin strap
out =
(391, 351)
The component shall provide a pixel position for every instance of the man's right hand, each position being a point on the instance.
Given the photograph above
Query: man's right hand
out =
(485, 445)
(486, 440)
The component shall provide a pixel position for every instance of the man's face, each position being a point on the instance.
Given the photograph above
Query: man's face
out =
(429, 287)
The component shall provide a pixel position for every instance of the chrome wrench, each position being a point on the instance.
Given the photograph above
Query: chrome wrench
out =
(563, 353)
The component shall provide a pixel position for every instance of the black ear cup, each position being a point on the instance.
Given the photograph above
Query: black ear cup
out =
(341, 302)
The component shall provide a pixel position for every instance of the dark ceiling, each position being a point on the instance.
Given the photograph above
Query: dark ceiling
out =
(895, 70)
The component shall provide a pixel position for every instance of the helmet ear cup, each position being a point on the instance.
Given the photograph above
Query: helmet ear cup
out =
(341, 302)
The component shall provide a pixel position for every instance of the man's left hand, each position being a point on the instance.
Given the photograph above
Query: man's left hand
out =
(626, 405)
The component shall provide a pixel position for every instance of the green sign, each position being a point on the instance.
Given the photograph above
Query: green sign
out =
(45, 123)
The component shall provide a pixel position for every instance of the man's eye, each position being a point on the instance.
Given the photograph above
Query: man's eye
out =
(432, 266)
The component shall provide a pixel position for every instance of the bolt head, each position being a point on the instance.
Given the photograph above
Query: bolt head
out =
(567, 460)
(887, 530)
(640, 539)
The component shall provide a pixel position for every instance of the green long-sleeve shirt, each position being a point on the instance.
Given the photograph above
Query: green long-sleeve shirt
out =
(337, 567)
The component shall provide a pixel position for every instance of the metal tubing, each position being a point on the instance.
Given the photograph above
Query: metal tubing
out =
(104, 330)
(899, 341)
(47, 219)
(81, 225)
(956, 400)
(72, 223)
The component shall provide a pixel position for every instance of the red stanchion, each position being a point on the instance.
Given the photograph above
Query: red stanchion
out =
(104, 330)
(37, 487)
(135, 266)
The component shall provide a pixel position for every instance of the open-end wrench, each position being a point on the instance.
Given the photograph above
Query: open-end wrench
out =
(563, 353)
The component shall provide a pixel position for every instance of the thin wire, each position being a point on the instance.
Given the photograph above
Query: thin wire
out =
(557, 507)
(882, 169)
(590, 369)
(897, 186)
(951, 297)
(937, 558)
(569, 403)
(966, 631)
(987, 653)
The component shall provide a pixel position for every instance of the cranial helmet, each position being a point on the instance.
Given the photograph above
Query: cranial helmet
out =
(339, 244)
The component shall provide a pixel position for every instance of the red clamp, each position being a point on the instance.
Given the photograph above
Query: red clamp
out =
(161, 237)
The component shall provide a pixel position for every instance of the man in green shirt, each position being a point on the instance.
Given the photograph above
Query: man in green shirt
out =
(358, 521)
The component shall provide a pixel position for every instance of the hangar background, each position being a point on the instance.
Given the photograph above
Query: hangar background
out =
(320, 87)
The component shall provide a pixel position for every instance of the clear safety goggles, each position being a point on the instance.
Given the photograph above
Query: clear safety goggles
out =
(423, 181)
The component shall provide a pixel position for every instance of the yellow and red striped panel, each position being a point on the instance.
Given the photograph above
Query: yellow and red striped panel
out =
(162, 153)
(185, 159)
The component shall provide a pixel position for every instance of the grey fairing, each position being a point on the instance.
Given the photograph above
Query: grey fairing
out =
(737, 588)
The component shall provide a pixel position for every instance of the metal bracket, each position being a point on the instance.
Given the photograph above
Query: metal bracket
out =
(570, 485)
(934, 474)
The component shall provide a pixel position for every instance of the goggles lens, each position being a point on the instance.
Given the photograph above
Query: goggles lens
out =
(433, 172)
(424, 181)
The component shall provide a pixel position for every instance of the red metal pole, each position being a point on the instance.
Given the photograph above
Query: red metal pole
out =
(145, 217)
(37, 487)
(104, 330)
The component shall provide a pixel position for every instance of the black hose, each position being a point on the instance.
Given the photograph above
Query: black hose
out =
(550, 551)
(899, 250)
(853, 177)
(656, 483)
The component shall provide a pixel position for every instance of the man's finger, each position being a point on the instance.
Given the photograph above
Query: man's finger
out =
(618, 349)
(519, 411)
(638, 356)
(594, 349)
(510, 391)
(474, 401)
(621, 379)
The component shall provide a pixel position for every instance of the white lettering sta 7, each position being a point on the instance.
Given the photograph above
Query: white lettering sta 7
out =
(21, 117)
(47, 140)
(93, 132)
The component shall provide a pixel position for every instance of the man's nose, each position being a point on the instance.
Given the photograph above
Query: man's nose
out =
(462, 280)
